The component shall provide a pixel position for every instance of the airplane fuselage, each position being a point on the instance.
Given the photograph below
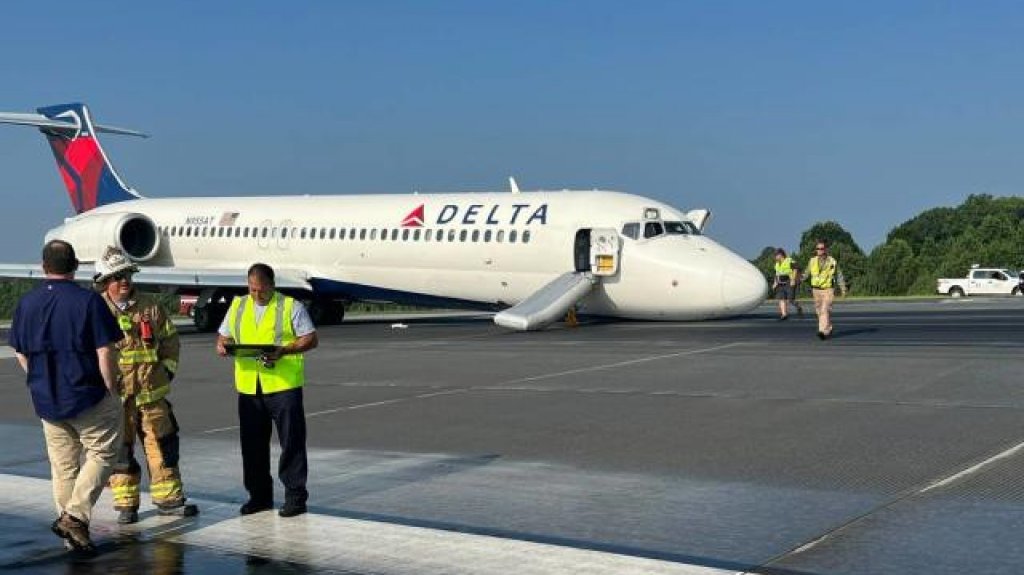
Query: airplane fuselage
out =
(485, 250)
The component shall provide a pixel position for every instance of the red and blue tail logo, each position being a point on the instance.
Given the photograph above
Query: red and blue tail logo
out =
(87, 173)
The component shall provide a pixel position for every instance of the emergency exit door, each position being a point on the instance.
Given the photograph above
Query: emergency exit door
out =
(581, 251)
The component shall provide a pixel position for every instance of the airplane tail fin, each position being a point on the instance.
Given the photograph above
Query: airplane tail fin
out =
(90, 178)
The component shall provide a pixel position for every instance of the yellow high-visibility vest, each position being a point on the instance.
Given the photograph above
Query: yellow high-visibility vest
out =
(823, 276)
(784, 268)
(275, 327)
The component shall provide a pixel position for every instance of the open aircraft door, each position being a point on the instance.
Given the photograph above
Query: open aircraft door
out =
(605, 250)
(595, 254)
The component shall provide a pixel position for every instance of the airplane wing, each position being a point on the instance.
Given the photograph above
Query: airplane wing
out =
(172, 276)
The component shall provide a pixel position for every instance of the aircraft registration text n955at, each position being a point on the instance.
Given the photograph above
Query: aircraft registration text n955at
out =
(534, 255)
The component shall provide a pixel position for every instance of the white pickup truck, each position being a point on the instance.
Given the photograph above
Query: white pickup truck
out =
(981, 281)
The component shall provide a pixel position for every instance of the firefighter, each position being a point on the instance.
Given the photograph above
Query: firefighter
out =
(148, 361)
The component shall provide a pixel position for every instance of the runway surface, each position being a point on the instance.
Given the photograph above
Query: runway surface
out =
(738, 446)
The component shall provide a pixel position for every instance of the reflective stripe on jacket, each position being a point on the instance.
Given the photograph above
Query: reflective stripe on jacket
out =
(144, 365)
(823, 276)
(275, 327)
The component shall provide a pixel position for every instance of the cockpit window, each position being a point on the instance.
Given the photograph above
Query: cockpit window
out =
(681, 228)
(653, 229)
(631, 230)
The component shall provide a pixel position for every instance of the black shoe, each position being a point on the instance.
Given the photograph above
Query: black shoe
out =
(784, 318)
(292, 509)
(183, 510)
(250, 507)
(821, 335)
(827, 335)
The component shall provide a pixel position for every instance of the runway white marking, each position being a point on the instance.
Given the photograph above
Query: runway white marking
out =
(513, 381)
(974, 468)
(624, 363)
(336, 544)
(355, 407)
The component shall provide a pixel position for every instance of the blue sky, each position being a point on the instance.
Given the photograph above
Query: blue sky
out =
(773, 114)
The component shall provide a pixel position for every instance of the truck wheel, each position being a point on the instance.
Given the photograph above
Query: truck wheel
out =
(956, 292)
(1016, 291)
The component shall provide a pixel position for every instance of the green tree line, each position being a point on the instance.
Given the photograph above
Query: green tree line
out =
(940, 242)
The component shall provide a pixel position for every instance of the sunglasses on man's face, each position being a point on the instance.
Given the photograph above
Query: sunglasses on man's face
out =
(819, 249)
(123, 276)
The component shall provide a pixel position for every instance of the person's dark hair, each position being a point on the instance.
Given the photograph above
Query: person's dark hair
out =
(780, 252)
(59, 257)
(822, 242)
(261, 271)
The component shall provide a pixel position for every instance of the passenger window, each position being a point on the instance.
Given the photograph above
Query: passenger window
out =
(631, 230)
(373, 234)
(394, 234)
(341, 234)
(476, 235)
(653, 229)
(362, 233)
(500, 237)
(451, 235)
(426, 235)
(405, 235)
(384, 235)
(487, 236)
(416, 235)
(512, 236)
(264, 232)
(526, 237)
(462, 235)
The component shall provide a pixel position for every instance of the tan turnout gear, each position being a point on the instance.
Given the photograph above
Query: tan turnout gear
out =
(148, 360)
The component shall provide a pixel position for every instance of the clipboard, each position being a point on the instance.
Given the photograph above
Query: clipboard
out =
(249, 349)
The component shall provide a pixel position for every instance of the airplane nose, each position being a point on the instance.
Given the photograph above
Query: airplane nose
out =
(743, 287)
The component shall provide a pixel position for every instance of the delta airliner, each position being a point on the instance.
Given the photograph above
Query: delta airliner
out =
(535, 255)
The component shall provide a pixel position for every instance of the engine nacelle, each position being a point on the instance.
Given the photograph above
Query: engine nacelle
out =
(90, 234)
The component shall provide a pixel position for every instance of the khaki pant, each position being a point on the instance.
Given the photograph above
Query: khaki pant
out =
(823, 307)
(77, 484)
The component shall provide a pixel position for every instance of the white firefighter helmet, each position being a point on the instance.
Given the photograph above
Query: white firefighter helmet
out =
(113, 262)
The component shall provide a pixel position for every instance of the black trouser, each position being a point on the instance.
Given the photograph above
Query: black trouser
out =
(255, 415)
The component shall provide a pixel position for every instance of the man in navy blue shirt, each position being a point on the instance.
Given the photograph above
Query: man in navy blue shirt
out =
(64, 338)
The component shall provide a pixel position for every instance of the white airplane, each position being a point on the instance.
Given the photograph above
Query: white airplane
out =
(535, 255)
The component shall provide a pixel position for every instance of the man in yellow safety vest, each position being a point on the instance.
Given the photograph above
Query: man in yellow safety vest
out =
(267, 332)
(824, 275)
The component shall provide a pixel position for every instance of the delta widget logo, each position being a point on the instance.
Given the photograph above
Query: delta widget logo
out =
(414, 219)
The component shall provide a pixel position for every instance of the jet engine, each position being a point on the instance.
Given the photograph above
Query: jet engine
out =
(90, 234)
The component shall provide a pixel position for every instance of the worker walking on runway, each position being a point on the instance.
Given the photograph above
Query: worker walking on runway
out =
(269, 389)
(824, 275)
(148, 362)
(784, 284)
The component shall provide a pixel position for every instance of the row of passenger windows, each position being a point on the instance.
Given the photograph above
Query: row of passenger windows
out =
(362, 234)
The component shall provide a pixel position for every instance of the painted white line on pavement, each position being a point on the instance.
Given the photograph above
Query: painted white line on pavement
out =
(330, 543)
(621, 363)
(359, 546)
(974, 468)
